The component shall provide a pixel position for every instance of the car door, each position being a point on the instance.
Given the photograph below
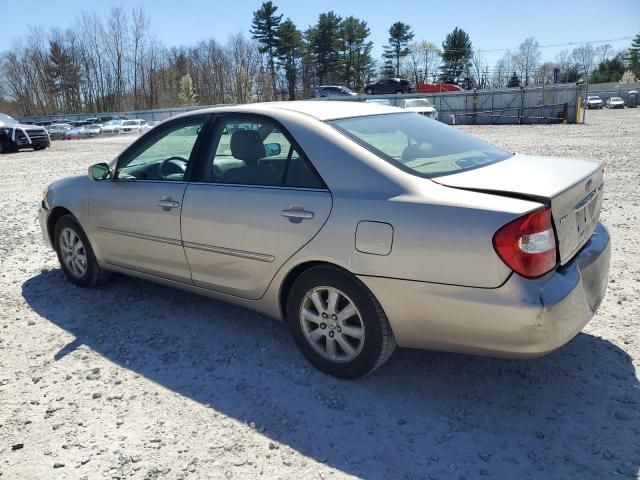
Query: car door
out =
(136, 216)
(256, 202)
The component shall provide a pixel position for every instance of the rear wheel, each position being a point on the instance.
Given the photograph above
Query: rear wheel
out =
(338, 324)
(76, 255)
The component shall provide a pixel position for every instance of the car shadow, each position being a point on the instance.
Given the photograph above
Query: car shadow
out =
(571, 414)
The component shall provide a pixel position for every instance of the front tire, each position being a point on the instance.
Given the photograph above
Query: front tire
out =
(8, 147)
(75, 254)
(338, 324)
(369, 91)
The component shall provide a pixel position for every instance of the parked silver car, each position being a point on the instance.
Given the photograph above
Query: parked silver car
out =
(421, 106)
(360, 225)
(615, 102)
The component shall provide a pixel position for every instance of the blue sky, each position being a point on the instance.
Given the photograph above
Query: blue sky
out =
(492, 25)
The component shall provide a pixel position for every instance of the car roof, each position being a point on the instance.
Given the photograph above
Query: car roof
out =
(319, 109)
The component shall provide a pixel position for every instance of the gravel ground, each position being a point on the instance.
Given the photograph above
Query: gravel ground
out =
(135, 380)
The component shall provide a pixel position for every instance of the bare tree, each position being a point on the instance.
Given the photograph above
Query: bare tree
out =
(478, 70)
(139, 32)
(603, 52)
(583, 57)
(503, 70)
(527, 59)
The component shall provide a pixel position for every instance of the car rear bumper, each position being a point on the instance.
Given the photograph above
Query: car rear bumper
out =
(522, 318)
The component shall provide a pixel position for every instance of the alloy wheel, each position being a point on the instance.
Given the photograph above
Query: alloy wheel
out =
(332, 324)
(73, 252)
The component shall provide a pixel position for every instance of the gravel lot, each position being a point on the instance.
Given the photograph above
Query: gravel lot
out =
(135, 380)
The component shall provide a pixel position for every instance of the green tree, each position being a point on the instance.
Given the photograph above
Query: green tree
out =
(456, 56)
(64, 77)
(400, 35)
(609, 70)
(289, 49)
(634, 56)
(514, 81)
(186, 94)
(323, 40)
(355, 52)
(265, 30)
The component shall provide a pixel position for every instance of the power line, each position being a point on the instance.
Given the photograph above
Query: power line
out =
(555, 45)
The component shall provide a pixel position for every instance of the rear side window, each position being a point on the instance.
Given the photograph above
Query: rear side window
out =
(256, 151)
(419, 145)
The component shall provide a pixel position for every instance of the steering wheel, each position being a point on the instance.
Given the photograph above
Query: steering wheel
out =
(172, 166)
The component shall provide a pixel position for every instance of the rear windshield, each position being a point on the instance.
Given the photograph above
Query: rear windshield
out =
(418, 144)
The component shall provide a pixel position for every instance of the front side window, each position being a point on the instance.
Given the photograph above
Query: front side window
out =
(162, 157)
(257, 152)
(419, 145)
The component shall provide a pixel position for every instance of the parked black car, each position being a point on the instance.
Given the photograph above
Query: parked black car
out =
(15, 135)
(390, 85)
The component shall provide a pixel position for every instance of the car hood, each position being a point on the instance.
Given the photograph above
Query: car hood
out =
(21, 126)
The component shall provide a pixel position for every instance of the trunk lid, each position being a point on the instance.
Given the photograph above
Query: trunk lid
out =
(573, 189)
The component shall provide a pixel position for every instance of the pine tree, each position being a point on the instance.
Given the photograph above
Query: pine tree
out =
(456, 56)
(355, 52)
(64, 77)
(514, 81)
(323, 42)
(264, 29)
(634, 56)
(289, 48)
(609, 70)
(400, 35)
(186, 94)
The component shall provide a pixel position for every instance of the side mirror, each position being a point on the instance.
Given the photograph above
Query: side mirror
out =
(99, 171)
(272, 149)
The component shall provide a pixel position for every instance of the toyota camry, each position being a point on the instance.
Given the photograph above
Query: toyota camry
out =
(361, 226)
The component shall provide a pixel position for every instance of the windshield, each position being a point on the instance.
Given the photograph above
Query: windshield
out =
(616, 99)
(419, 145)
(7, 120)
(594, 98)
(417, 102)
(130, 122)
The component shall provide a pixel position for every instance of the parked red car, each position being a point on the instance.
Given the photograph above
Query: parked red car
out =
(74, 133)
(438, 87)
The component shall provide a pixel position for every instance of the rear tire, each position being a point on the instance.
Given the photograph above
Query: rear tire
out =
(75, 254)
(338, 324)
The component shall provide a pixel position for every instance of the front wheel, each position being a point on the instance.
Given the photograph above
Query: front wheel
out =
(76, 255)
(369, 91)
(8, 147)
(338, 324)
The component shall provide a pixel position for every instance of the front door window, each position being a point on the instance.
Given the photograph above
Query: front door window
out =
(164, 157)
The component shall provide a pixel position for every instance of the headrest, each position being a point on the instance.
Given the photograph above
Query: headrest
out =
(247, 145)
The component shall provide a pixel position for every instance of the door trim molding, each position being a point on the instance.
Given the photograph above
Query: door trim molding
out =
(261, 257)
(142, 236)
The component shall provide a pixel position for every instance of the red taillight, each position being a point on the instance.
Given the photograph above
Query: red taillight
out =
(528, 244)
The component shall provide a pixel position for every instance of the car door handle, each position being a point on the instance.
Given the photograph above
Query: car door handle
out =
(167, 203)
(296, 213)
